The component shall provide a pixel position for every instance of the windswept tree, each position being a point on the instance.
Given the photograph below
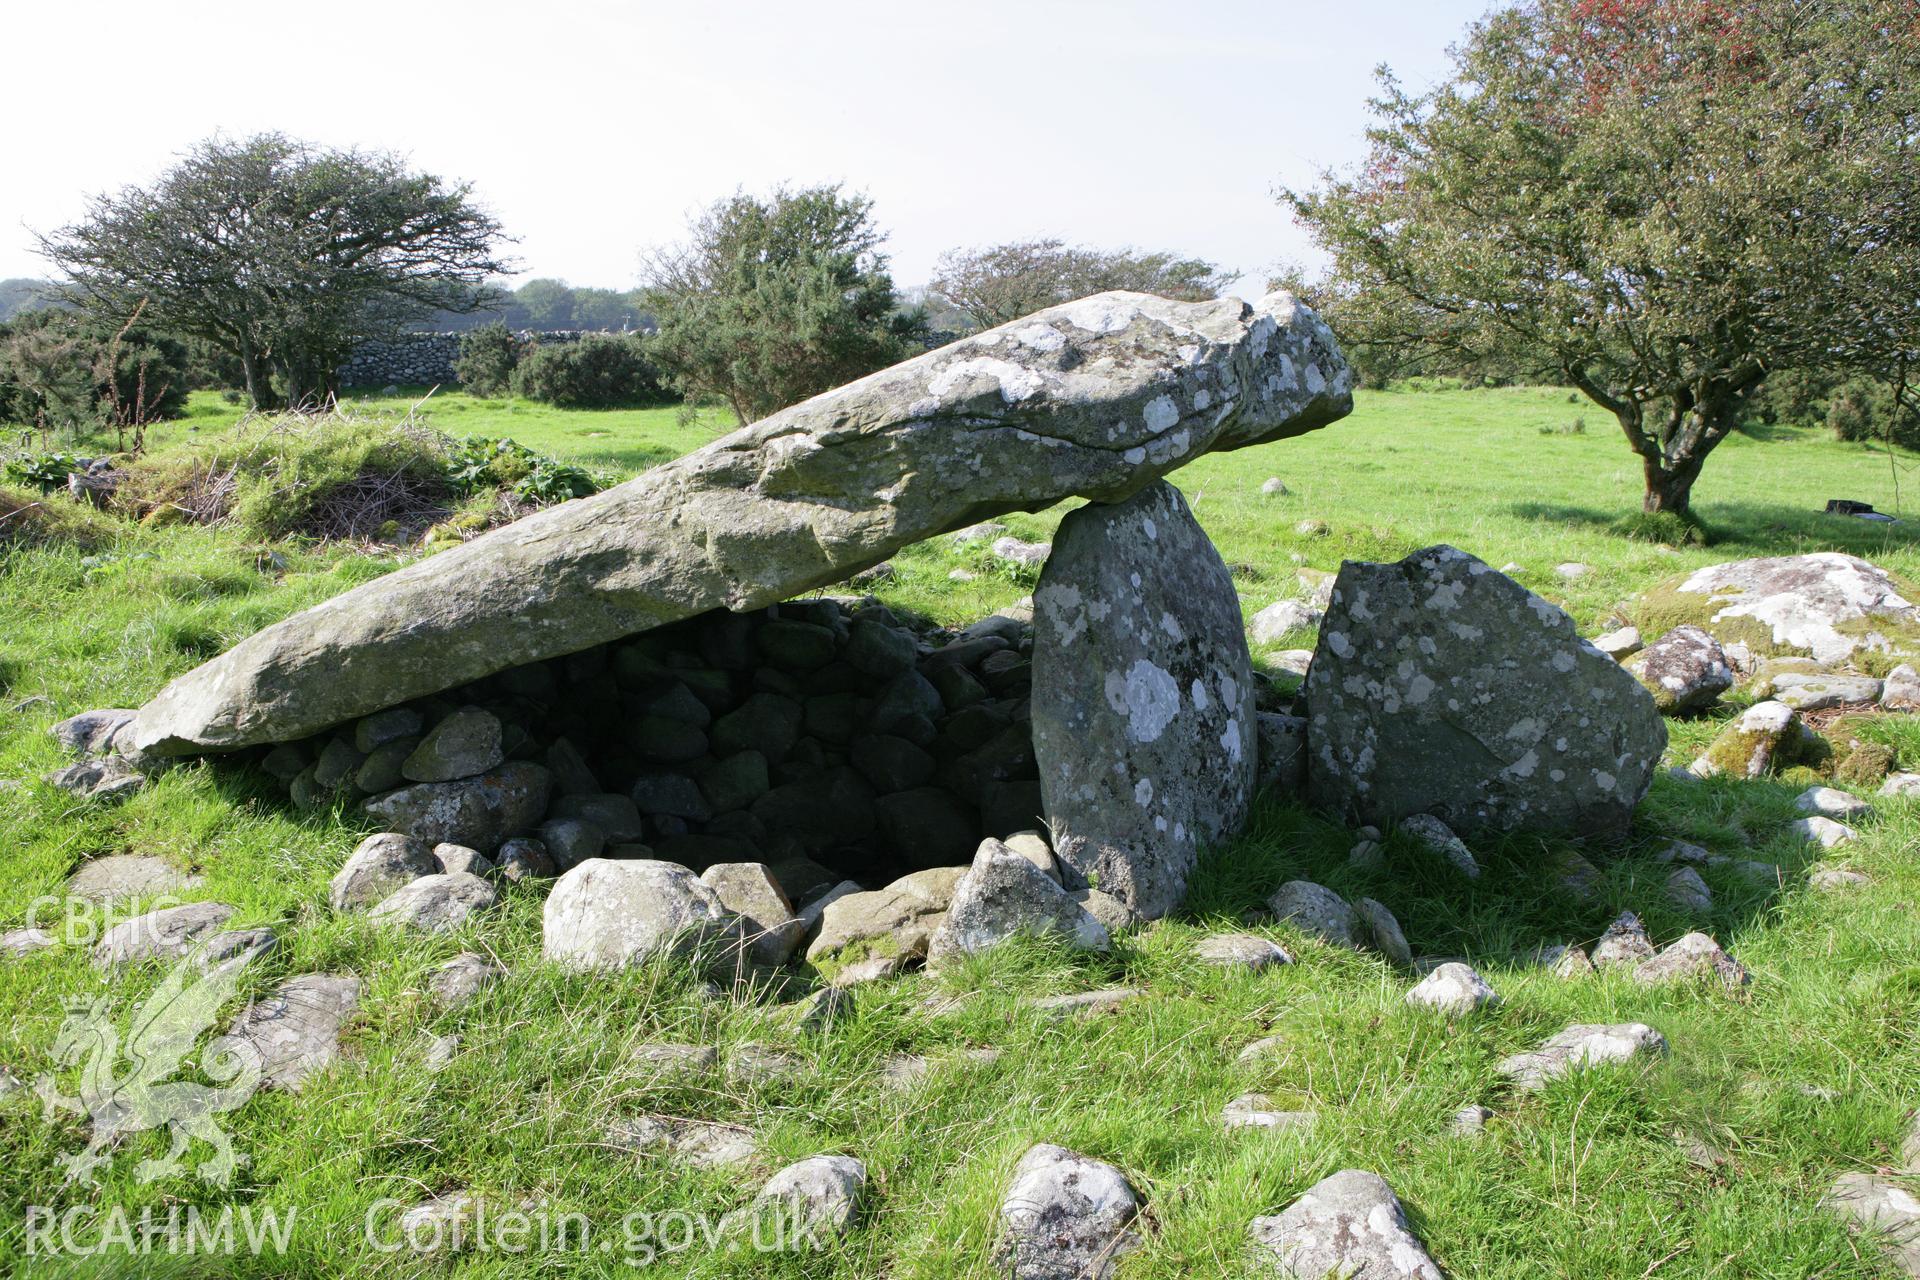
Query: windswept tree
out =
(1003, 282)
(771, 301)
(1659, 202)
(281, 255)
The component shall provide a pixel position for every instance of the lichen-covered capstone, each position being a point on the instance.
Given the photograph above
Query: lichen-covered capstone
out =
(1143, 716)
(1441, 686)
(1097, 398)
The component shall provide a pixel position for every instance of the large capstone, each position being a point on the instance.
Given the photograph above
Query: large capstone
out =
(1143, 716)
(1097, 398)
(1443, 687)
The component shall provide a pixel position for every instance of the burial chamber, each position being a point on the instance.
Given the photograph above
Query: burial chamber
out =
(665, 616)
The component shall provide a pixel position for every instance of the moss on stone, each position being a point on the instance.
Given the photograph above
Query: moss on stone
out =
(1801, 775)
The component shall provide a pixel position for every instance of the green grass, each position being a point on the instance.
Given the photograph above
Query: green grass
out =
(622, 440)
(1811, 1074)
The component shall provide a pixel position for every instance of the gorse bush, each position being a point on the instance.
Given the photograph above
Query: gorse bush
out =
(599, 371)
(60, 368)
(488, 356)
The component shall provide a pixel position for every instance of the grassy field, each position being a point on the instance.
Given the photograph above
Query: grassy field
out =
(1812, 1073)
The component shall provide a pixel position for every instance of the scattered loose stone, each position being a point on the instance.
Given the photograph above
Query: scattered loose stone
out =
(435, 904)
(1685, 670)
(16, 943)
(1240, 951)
(1384, 931)
(610, 914)
(1901, 689)
(439, 1052)
(1293, 661)
(1273, 487)
(167, 934)
(1065, 1216)
(232, 948)
(1437, 837)
(1029, 555)
(1081, 1002)
(699, 1143)
(296, 1030)
(120, 876)
(1264, 1047)
(1441, 687)
(1367, 855)
(1453, 989)
(1830, 879)
(1318, 910)
(1275, 622)
(1682, 851)
(898, 919)
(1750, 747)
(1580, 1046)
(1808, 691)
(1003, 895)
(749, 890)
(1831, 802)
(1256, 1111)
(522, 860)
(1469, 1121)
(814, 1198)
(1573, 875)
(1688, 892)
(903, 1071)
(1573, 569)
(462, 978)
(1623, 643)
(1569, 962)
(1348, 1225)
(1312, 529)
(1033, 846)
(1624, 942)
(1883, 1208)
(872, 969)
(457, 857)
(823, 1008)
(1901, 784)
(91, 733)
(666, 1061)
(380, 865)
(1824, 832)
(106, 778)
(1692, 958)
(761, 1064)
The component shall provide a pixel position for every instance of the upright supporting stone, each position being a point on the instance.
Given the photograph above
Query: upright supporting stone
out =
(1143, 718)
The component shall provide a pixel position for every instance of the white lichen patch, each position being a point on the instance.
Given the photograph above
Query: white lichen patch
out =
(1147, 696)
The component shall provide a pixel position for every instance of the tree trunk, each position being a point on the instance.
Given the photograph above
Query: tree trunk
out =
(259, 382)
(1669, 488)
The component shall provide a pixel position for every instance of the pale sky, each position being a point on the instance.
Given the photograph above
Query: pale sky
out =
(593, 129)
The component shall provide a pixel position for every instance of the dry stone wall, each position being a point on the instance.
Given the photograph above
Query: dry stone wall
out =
(424, 359)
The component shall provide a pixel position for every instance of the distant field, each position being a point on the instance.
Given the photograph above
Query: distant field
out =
(1812, 1074)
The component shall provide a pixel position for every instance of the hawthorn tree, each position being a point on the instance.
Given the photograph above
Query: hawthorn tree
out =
(1002, 282)
(773, 300)
(281, 255)
(1659, 202)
